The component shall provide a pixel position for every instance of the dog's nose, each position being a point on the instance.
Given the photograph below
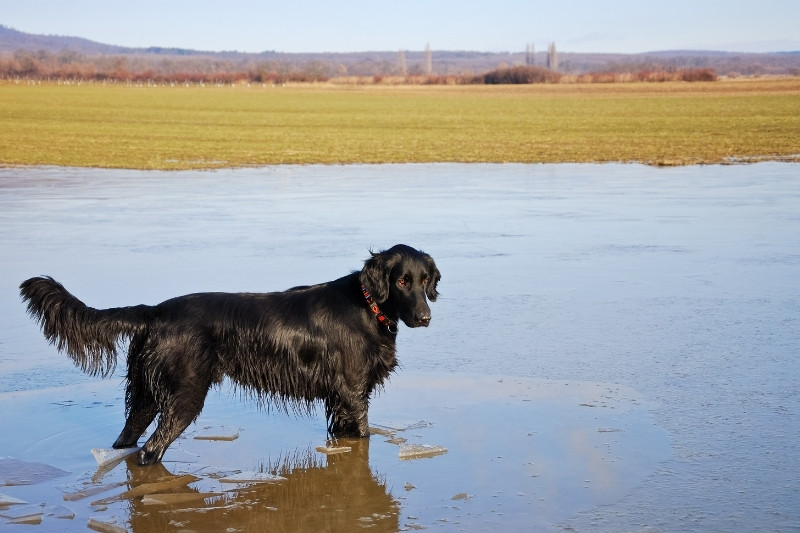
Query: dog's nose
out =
(423, 320)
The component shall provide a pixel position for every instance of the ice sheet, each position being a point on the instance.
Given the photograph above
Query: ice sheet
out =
(674, 290)
(16, 472)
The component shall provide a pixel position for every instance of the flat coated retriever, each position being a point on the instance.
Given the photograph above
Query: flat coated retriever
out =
(333, 342)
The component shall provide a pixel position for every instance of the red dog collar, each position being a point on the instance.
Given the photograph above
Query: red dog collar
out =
(390, 324)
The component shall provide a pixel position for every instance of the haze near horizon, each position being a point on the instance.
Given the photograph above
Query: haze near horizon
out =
(618, 26)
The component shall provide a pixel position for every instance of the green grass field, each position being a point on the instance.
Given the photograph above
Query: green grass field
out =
(211, 127)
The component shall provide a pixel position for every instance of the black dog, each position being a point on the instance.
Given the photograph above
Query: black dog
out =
(333, 342)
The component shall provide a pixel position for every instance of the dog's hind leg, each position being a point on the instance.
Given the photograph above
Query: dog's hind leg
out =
(181, 408)
(140, 405)
(142, 410)
(135, 425)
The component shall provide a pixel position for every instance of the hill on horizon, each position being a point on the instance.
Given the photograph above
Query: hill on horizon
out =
(369, 63)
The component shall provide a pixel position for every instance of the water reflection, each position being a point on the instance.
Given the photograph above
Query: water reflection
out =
(336, 492)
(520, 454)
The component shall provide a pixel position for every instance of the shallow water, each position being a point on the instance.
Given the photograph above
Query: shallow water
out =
(511, 453)
(640, 327)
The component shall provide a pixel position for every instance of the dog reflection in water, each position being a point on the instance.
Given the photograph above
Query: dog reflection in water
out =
(333, 342)
(320, 493)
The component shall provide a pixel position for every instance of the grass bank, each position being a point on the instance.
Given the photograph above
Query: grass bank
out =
(209, 127)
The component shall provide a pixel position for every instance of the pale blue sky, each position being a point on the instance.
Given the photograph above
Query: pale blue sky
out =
(627, 26)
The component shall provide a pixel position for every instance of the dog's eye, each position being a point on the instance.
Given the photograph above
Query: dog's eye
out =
(425, 280)
(401, 282)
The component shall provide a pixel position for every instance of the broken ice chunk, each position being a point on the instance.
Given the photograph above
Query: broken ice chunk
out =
(5, 499)
(416, 451)
(332, 450)
(177, 498)
(107, 457)
(168, 483)
(252, 477)
(85, 492)
(381, 431)
(105, 527)
(179, 456)
(419, 424)
(60, 511)
(394, 427)
(28, 514)
(219, 433)
(149, 488)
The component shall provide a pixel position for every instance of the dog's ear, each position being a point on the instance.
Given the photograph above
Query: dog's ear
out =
(433, 279)
(375, 275)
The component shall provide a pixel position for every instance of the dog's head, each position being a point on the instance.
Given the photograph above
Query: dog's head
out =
(400, 280)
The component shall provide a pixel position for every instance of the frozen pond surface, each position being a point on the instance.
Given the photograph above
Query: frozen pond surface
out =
(636, 331)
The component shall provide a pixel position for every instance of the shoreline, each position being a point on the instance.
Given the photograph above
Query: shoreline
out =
(735, 161)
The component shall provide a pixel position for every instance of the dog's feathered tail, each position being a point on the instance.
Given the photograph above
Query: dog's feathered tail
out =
(88, 335)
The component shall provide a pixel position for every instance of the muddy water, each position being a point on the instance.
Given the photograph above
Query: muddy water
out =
(614, 348)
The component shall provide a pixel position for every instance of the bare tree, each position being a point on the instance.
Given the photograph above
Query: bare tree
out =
(402, 66)
(530, 54)
(552, 57)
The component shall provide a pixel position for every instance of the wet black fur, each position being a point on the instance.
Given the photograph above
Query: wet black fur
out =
(290, 348)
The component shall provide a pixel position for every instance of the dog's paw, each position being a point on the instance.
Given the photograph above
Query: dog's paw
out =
(148, 457)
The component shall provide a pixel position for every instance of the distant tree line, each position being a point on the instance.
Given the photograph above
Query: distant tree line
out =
(72, 66)
(40, 57)
(521, 74)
